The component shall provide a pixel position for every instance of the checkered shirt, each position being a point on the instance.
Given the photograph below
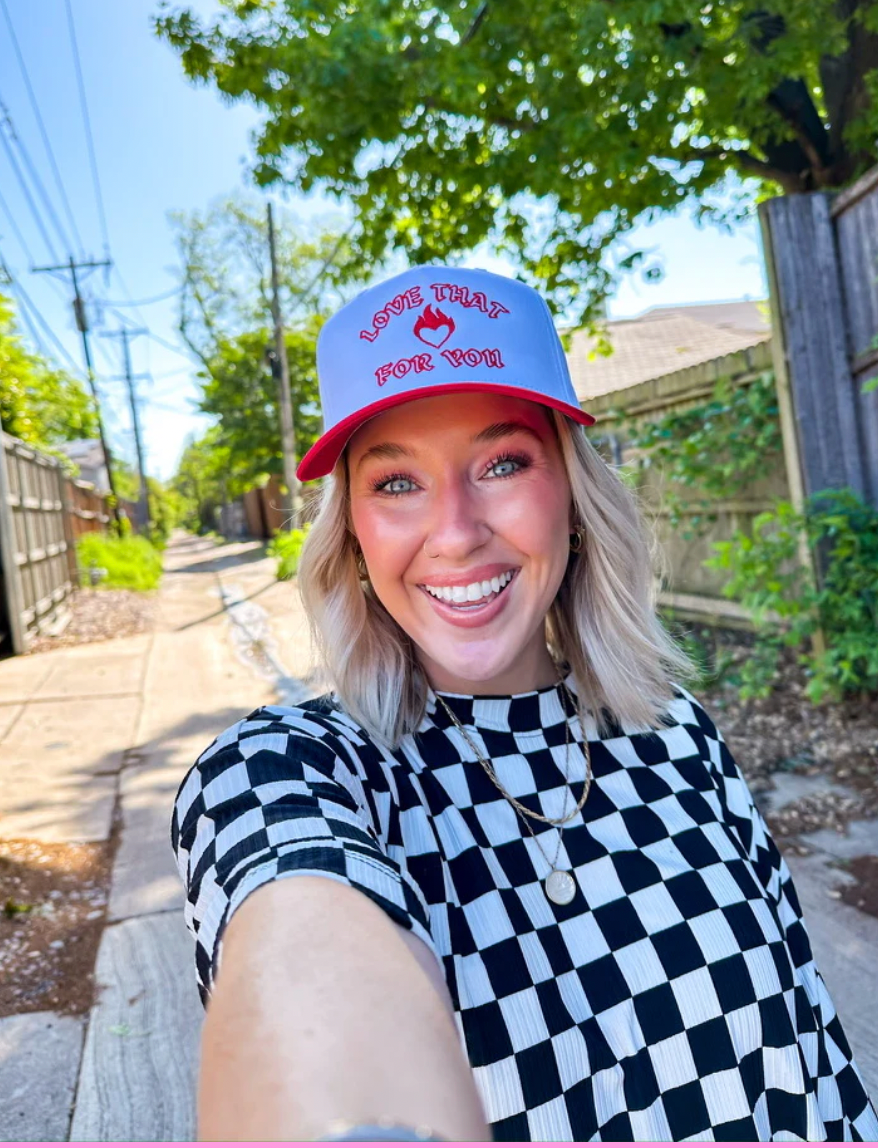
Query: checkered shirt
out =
(675, 998)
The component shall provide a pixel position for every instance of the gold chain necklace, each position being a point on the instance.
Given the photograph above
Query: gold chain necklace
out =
(560, 885)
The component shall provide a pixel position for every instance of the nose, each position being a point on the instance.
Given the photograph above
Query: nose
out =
(456, 526)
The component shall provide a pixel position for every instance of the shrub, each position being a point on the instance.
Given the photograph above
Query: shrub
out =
(131, 562)
(790, 608)
(286, 546)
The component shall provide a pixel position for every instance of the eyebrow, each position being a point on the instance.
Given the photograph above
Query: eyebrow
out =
(490, 434)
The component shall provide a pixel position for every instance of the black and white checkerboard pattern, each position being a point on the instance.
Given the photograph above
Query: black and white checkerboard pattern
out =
(675, 998)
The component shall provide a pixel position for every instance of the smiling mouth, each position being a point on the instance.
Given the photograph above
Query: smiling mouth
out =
(466, 605)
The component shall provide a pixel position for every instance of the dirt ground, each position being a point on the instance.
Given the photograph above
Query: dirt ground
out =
(98, 615)
(787, 733)
(53, 898)
(53, 903)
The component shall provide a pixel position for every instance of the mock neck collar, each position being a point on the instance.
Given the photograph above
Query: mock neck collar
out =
(532, 710)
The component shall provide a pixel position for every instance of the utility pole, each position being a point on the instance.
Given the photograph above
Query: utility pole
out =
(82, 324)
(281, 371)
(126, 334)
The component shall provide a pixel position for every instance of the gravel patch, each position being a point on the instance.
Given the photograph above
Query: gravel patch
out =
(53, 906)
(99, 615)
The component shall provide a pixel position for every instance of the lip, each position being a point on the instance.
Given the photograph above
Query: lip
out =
(475, 615)
(477, 574)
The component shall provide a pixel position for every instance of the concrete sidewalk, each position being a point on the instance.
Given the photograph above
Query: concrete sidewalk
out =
(104, 733)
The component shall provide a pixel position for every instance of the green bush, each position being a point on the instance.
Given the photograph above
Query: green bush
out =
(286, 546)
(131, 562)
(790, 608)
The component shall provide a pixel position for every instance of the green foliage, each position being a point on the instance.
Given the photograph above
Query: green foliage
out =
(39, 403)
(548, 127)
(286, 547)
(711, 661)
(226, 320)
(240, 390)
(709, 452)
(790, 608)
(131, 562)
(226, 271)
(200, 481)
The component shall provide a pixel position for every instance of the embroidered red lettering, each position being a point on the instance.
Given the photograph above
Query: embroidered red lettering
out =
(454, 293)
(401, 367)
(399, 303)
(470, 357)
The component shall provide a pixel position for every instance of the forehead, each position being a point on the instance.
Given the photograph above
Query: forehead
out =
(462, 415)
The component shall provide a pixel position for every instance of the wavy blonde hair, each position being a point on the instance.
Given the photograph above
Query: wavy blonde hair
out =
(602, 623)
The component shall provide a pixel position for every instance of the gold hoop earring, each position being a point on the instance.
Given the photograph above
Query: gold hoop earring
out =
(361, 565)
(577, 540)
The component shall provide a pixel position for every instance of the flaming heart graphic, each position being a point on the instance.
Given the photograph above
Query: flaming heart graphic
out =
(434, 327)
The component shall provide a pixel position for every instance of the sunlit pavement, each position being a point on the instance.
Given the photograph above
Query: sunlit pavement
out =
(113, 726)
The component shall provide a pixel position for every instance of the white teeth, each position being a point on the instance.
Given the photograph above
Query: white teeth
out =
(474, 592)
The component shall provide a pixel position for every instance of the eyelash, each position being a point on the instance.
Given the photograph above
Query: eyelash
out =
(521, 460)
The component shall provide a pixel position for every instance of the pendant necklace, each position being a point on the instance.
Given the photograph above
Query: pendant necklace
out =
(560, 885)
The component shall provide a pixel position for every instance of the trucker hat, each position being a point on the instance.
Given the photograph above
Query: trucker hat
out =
(432, 331)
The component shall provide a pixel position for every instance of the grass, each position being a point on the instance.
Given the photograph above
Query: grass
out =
(286, 546)
(131, 563)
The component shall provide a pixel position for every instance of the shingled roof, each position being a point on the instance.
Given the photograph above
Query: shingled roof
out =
(663, 340)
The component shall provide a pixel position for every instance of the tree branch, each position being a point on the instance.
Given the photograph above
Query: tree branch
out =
(478, 20)
(748, 163)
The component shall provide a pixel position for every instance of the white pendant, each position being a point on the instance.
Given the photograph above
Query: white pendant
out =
(560, 887)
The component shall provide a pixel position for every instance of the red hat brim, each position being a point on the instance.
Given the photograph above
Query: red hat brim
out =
(325, 453)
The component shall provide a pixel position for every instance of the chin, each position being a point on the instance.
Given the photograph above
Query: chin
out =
(476, 667)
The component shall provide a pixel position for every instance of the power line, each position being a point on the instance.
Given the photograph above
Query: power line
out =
(82, 323)
(126, 335)
(88, 133)
(10, 154)
(45, 135)
(35, 177)
(144, 302)
(26, 301)
(188, 355)
(16, 230)
(25, 314)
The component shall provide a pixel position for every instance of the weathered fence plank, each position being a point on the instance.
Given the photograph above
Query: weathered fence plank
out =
(810, 323)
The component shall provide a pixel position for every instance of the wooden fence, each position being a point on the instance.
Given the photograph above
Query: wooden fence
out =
(687, 586)
(42, 514)
(822, 257)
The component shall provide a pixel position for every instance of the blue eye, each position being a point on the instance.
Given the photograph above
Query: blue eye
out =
(512, 462)
(386, 485)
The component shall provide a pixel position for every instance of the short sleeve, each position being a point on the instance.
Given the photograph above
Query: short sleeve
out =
(269, 798)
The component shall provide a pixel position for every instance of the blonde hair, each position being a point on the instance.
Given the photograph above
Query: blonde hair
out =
(602, 623)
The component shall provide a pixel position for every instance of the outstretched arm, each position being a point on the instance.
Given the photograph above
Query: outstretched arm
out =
(324, 1012)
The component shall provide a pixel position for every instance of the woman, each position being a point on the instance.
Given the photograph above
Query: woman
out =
(535, 901)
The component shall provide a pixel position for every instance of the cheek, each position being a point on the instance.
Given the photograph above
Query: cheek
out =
(386, 542)
(537, 519)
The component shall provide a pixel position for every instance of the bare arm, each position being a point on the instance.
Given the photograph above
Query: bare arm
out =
(324, 1011)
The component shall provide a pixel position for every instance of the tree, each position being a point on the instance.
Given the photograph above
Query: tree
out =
(199, 481)
(39, 403)
(225, 318)
(546, 126)
(226, 274)
(240, 389)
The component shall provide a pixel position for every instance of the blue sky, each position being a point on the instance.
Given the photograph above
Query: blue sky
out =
(163, 145)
